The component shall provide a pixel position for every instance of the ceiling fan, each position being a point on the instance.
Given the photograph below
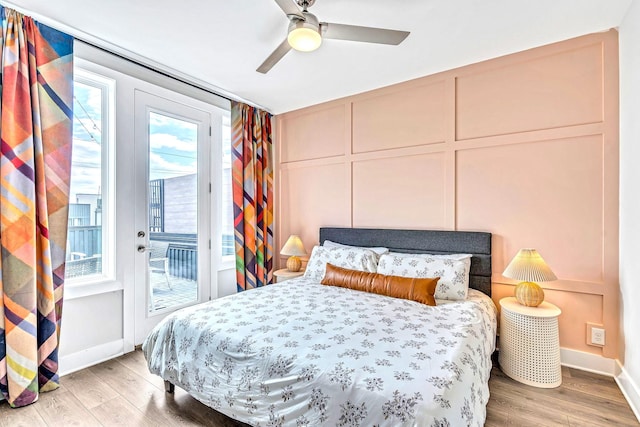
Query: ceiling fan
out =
(306, 32)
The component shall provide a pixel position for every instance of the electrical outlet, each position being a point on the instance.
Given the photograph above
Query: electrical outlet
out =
(595, 335)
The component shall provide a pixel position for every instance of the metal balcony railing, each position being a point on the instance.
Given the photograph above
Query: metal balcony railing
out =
(182, 253)
(85, 247)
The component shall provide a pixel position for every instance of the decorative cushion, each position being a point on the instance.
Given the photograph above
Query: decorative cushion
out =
(353, 258)
(415, 289)
(453, 272)
(330, 244)
(440, 256)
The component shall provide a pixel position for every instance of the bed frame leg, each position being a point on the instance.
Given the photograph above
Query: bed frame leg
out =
(169, 388)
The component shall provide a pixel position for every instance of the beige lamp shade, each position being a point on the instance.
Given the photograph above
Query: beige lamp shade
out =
(294, 248)
(529, 267)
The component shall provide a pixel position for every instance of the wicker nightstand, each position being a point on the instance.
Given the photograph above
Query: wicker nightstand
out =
(529, 343)
(284, 274)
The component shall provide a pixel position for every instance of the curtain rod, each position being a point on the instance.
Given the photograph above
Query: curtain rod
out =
(127, 55)
(153, 69)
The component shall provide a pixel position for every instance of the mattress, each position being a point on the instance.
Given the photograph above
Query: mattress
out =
(300, 353)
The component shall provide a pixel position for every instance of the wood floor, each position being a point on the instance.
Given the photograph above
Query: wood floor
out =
(122, 392)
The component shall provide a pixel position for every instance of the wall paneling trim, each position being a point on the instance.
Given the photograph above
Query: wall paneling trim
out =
(524, 146)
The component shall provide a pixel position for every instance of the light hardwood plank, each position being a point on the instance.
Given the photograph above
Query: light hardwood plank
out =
(88, 388)
(523, 411)
(62, 408)
(163, 409)
(119, 412)
(593, 384)
(136, 362)
(497, 415)
(558, 404)
(23, 417)
(135, 388)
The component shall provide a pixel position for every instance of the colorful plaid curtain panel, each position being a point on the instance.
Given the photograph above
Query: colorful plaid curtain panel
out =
(35, 129)
(252, 176)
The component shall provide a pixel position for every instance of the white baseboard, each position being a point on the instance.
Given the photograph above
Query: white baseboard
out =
(73, 362)
(587, 362)
(629, 388)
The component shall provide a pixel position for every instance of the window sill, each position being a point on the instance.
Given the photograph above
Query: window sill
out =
(227, 263)
(81, 289)
(227, 266)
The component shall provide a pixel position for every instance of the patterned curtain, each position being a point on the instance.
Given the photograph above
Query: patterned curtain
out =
(252, 171)
(35, 129)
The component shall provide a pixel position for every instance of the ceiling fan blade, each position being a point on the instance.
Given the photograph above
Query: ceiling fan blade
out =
(362, 34)
(289, 8)
(275, 56)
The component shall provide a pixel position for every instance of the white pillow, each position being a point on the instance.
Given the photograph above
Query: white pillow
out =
(459, 257)
(453, 273)
(330, 244)
(352, 258)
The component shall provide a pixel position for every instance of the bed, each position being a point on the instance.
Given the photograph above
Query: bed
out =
(300, 353)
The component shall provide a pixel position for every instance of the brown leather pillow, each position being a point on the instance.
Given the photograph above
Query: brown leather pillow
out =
(420, 290)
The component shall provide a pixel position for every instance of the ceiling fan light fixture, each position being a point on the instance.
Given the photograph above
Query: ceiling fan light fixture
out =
(304, 39)
(304, 35)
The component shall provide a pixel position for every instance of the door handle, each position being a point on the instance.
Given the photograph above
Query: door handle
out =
(142, 248)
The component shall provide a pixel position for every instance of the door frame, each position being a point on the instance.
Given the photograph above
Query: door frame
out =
(196, 112)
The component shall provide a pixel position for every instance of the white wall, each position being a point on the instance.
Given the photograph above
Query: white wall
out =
(629, 379)
(227, 282)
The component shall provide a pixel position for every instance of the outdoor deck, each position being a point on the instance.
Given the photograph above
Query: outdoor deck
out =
(182, 291)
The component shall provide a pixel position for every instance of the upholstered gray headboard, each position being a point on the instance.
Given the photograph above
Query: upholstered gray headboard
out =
(424, 241)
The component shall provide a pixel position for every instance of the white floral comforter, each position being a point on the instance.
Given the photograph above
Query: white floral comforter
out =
(303, 354)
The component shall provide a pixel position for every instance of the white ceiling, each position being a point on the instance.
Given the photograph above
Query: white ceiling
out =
(221, 42)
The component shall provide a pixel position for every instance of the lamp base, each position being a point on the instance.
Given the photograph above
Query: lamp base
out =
(529, 294)
(294, 263)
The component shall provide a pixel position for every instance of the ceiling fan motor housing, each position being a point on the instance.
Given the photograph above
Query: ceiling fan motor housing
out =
(310, 21)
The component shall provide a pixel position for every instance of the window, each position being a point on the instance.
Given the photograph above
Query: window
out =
(88, 238)
(228, 248)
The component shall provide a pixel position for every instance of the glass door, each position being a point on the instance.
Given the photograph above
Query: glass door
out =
(172, 205)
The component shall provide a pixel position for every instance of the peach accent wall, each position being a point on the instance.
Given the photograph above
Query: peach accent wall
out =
(524, 146)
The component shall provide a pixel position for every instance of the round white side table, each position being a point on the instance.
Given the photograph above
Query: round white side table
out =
(284, 274)
(530, 343)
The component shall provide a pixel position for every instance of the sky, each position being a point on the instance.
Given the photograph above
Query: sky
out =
(173, 143)
(173, 147)
(87, 141)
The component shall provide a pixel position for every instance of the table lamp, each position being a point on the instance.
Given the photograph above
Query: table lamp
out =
(529, 267)
(294, 249)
